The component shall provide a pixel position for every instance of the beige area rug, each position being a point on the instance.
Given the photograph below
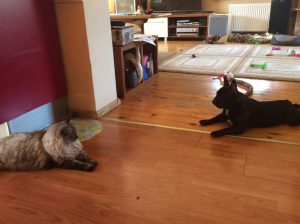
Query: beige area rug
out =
(162, 55)
(201, 64)
(278, 69)
(263, 51)
(220, 50)
(212, 59)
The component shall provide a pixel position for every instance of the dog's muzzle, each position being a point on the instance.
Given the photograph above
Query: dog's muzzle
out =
(217, 104)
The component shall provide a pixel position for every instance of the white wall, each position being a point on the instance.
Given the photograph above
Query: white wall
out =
(221, 6)
(101, 51)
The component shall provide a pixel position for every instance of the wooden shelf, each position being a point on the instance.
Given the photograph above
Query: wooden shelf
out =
(193, 18)
(186, 37)
(187, 26)
(145, 48)
(188, 15)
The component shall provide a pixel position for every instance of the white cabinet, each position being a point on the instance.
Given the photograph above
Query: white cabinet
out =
(157, 26)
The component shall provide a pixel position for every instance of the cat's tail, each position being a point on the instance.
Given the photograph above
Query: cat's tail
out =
(1, 166)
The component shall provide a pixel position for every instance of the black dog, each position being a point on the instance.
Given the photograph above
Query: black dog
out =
(244, 112)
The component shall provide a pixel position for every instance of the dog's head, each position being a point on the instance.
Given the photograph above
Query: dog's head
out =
(227, 96)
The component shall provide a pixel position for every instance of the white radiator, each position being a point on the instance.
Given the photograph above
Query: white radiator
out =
(250, 17)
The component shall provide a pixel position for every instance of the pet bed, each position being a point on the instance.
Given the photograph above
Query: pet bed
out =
(285, 40)
(86, 128)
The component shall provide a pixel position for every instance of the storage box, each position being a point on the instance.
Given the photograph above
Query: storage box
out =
(122, 35)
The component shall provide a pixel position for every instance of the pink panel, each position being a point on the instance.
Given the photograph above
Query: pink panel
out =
(31, 68)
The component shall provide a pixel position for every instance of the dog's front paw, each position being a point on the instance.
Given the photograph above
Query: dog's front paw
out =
(216, 134)
(204, 122)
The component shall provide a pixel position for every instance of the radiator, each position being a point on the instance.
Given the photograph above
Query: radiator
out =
(250, 17)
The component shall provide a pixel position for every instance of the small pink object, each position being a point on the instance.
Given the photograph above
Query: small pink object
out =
(297, 55)
(276, 48)
(219, 76)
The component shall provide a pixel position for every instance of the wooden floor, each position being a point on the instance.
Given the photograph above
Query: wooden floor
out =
(158, 166)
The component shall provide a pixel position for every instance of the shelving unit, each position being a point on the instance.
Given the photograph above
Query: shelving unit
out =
(202, 32)
(145, 48)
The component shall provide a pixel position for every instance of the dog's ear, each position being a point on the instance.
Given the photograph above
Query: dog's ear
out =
(234, 86)
(226, 83)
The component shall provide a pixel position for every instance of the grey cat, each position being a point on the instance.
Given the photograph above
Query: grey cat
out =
(59, 146)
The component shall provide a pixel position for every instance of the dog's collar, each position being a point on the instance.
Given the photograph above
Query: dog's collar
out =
(227, 112)
(229, 122)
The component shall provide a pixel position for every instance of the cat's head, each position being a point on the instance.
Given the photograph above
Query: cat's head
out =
(228, 96)
(68, 132)
(61, 141)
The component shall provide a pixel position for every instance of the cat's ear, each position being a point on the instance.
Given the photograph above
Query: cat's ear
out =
(226, 83)
(234, 86)
(71, 116)
(68, 121)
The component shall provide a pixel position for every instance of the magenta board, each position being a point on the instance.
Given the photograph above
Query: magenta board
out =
(31, 67)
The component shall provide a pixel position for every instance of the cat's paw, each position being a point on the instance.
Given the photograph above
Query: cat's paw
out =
(94, 163)
(89, 167)
(204, 122)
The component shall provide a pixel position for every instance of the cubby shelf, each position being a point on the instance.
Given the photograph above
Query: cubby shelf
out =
(202, 19)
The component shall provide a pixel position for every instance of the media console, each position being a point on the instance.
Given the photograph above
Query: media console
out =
(179, 26)
(172, 26)
(188, 26)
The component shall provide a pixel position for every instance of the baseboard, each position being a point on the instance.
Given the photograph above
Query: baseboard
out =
(101, 112)
(104, 110)
(40, 117)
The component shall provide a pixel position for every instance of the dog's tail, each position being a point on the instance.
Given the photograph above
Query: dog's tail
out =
(294, 115)
(296, 105)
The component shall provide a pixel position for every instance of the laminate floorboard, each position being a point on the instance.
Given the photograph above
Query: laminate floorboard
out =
(159, 175)
(158, 166)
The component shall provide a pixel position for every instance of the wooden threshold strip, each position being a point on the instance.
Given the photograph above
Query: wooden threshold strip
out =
(194, 130)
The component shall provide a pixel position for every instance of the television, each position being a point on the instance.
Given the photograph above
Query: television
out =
(176, 5)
